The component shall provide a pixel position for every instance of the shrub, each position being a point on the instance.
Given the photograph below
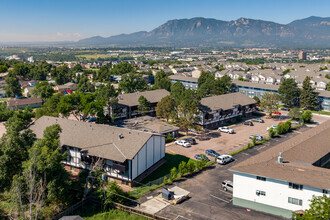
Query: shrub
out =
(307, 116)
(254, 140)
(271, 132)
(165, 180)
(174, 174)
(191, 166)
(169, 138)
(182, 168)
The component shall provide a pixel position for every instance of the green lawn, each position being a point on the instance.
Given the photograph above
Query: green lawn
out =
(172, 160)
(114, 215)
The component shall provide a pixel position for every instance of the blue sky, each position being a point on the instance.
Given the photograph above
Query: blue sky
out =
(57, 20)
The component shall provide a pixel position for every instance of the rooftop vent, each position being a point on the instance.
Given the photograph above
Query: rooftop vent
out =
(120, 136)
(280, 158)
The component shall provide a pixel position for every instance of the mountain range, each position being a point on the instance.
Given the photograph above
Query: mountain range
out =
(243, 32)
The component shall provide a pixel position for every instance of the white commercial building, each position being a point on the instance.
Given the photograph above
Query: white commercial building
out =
(284, 178)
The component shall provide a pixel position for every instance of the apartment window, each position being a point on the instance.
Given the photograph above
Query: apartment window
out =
(260, 193)
(325, 191)
(72, 168)
(295, 201)
(295, 186)
(261, 178)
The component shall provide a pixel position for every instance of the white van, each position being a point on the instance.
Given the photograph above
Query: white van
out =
(223, 159)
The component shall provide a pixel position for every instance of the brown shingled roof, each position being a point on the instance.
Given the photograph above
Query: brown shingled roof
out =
(99, 140)
(153, 96)
(226, 101)
(299, 153)
(14, 101)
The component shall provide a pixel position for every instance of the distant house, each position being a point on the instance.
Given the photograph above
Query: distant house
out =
(149, 124)
(125, 155)
(219, 110)
(67, 86)
(128, 103)
(16, 104)
(188, 82)
(254, 89)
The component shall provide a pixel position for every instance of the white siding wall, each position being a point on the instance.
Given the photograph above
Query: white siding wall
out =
(157, 150)
(142, 160)
(277, 192)
(134, 167)
(150, 153)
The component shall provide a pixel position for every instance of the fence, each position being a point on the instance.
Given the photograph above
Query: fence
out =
(78, 206)
(157, 181)
(131, 210)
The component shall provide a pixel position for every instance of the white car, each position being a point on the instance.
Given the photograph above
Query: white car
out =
(223, 159)
(183, 143)
(273, 126)
(226, 130)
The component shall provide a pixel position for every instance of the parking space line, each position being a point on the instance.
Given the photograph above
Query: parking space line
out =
(261, 147)
(245, 153)
(219, 198)
(226, 192)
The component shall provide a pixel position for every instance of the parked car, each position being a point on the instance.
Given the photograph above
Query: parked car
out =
(182, 143)
(201, 157)
(224, 159)
(226, 130)
(258, 137)
(227, 185)
(285, 109)
(273, 126)
(212, 153)
(249, 123)
(258, 120)
(190, 140)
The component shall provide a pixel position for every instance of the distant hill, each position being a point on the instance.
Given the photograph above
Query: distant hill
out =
(243, 32)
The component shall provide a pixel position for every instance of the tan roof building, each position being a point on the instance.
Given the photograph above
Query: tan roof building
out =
(286, 183)
(127, 153)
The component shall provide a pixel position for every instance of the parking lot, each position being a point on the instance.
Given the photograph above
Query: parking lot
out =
(221, 142)
(208, 200)
(225, 143)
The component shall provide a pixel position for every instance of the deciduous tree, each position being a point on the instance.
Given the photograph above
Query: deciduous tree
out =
(270, 102)
(165, 107)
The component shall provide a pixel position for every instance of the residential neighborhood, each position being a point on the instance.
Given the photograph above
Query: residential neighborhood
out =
(170, 110)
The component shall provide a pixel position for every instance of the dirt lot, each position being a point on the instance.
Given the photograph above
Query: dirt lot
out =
(226, 143)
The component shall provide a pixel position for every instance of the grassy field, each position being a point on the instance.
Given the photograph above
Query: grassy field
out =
(172, 160)
(93, 56)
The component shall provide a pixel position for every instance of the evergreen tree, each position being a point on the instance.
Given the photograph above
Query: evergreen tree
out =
(289, 92)
(308, 98)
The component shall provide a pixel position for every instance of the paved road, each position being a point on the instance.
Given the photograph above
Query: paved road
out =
(207, 200)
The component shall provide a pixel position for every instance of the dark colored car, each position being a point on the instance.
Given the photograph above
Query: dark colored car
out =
(190, 140)
(258, 120)
(285, 109)
(249, 123)
(212, 153)
(201, 157)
